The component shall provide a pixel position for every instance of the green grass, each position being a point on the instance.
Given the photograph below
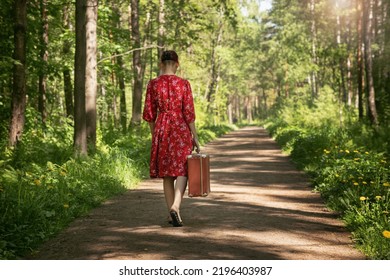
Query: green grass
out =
(349, 165)
(43, 187)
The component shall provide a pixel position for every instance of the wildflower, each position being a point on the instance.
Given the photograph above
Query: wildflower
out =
(66, 206)
(37, 182)
(367, 153)
(364, 183)
(387, 184)
(326, 151)
(386, 233)
(347, 151)
(356, 151)
(363, 198)
(355, 183)
(356, 159)
(378, 197)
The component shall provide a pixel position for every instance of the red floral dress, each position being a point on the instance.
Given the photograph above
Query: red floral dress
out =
(169, 103)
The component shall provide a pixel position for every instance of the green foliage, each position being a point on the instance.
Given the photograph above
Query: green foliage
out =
(348, 163)
(43, 188)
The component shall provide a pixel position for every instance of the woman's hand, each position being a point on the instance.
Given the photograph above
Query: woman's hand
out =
(195, 145)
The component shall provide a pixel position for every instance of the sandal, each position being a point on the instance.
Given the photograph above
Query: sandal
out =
(176, 221)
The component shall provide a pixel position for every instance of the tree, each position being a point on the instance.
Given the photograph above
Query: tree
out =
(44, 58)
(91, 70)
(80, 124)
(66, 49)
(137, 64)
(18, 105)
(370, 89)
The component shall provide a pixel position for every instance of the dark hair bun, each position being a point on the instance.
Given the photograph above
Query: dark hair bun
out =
(169, 55)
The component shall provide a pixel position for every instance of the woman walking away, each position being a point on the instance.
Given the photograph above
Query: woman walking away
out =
(169, 110)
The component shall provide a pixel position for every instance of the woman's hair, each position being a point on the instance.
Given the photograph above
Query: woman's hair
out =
(169, 56)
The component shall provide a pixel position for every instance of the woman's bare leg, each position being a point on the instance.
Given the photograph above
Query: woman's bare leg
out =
(180, 188)
(169, 191)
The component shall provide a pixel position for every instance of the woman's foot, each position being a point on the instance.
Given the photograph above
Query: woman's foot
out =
(176, 220)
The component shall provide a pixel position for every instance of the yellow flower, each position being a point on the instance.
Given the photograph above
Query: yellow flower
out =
(367, 153)
(386, 233)
(355, 184)
(363, 198)
(356, 151)
(378, 197)
(386, 184)
(347, 151)
(364, 183)
(37, 182)
(356, 159)
(66, 205)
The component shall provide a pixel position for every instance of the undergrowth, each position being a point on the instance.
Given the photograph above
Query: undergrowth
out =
(348, 162)
(43, 187)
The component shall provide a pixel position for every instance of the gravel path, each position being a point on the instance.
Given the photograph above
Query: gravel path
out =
(261, 207)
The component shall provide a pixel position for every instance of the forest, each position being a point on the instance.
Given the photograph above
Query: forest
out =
(314, 73)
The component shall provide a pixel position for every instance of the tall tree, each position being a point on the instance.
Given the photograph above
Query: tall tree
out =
(360, 58)
(120, 67)
(91, 16)
(313, 31)
(66, 49)
(80, 124)
(18, 105)
(44, 58)
(161, 28)
(370, 89)
(137, 64)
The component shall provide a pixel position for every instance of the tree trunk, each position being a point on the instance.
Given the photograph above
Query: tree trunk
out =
(18, 105)
(120, 73)
(66, 47)
(360, 60)
(137, 65)
(373, 115)
(343, 90)
(314, 82)
(80, 125)
(214, 66)
(161, 28)
(90, 71)
(44, 59)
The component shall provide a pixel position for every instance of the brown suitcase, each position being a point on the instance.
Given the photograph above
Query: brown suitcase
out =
(198, 175)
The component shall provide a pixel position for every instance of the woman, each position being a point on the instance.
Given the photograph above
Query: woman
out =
(169, 110)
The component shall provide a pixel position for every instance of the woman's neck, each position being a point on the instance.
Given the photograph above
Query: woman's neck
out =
(169, 69)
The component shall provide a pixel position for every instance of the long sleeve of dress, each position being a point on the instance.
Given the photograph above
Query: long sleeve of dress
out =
(188, 104)
(150, 107)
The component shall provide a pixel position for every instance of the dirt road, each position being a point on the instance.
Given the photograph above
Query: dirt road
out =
(261, 207)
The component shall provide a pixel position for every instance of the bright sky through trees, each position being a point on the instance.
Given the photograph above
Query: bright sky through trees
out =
(265, 5)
